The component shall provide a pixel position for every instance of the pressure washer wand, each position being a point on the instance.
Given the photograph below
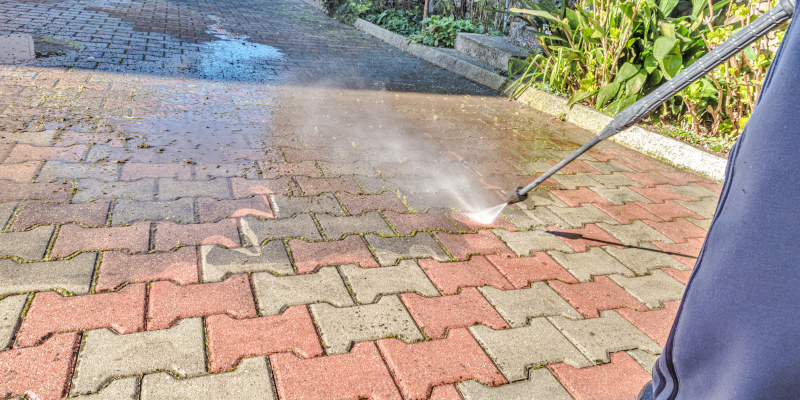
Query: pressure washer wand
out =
(644, 106)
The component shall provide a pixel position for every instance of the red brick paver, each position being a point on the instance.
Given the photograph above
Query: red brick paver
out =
(230, 340)
(211, 210)
(679, 231)
(581, 195)
(451, 276)
(419, 367)
(522, 271)
(591, 297)
(40, 372)
(170, 235)
(628, 212)
(359, 374)
(622, 378)
(656, 323)
(169, 302)
(73, 238)
(51, 312)
(669, 210)
(460, 246)
(406, 224)
(360, 203)
(21, 172)
(436, 315)
(445, 392)
(686, 252)
(118, 267)
(309, 257)
(33, 213)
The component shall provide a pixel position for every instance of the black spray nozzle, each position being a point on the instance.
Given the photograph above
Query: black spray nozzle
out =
(517, 196)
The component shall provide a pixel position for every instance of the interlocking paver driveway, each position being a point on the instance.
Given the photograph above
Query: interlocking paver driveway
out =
(247, 199)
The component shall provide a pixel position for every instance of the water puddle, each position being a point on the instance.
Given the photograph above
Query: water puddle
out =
(233, 57)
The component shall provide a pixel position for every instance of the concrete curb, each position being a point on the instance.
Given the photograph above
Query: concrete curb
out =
(665, 148)
(434, 56)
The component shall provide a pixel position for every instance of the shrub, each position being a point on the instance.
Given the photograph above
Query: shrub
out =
(442, 31)
(610, 53)
(404, 22)
(350, 10)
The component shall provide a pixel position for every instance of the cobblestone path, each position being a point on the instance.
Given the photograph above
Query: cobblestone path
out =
(245, 199)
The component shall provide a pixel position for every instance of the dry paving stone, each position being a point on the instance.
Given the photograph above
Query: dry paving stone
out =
(530, 219)
(105, 354)
(6, 211)
(250, 380)
(525, 243)
(694, 191)
(645, 359)
(615, 180)
(577, 217)
(591, 263)
(389, 251)
(643, 259)
(28, 245)
(299, 226)
(54, 170)
(704, 224)
(517, 349)
(171, 189)
(369, 283)
(92, 189)
(705, 206)
(540, 385)
(576, 181)
(337, 227)
(608, 167)
(620, 195)
(127, 211)
(10, 312)
(596, 338)
(634, 233)
(73, 275)
(653, 289)
(286, 206)
(517, 306)
(341, 327)
(218, 262)
(118, 389)
(274, 293)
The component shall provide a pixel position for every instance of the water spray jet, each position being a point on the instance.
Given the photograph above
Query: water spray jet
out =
(643, 107)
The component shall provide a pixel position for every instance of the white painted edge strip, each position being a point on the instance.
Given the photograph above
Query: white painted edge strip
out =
(662, 147)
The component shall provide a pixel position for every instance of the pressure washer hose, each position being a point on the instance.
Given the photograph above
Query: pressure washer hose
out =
(647, 104)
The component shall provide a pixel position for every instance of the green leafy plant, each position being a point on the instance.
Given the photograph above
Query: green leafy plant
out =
(442, 31)
(720, 104)
(404, 22)
(618, 50)
(350, 10)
